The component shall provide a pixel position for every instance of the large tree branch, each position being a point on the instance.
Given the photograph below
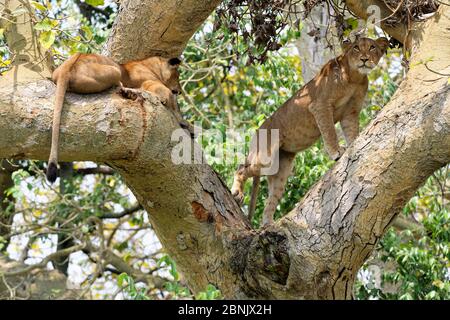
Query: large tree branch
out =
(400, 30)
(94, 127)
(164, 27)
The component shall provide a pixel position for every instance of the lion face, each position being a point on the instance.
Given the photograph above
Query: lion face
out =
(364, 53)
(170, 74)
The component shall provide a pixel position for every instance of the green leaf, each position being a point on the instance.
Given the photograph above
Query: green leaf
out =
(19, 175)
(87, 32)
(44, 25)
(352, 22)
(171, 264)
(211, 293)
(375, 108)
(38, 6)
(47, 39)
(95, 3)
(121, 279)
(121, 246)
(2, 243)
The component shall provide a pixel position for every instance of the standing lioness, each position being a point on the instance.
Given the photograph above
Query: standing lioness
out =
(336, 94)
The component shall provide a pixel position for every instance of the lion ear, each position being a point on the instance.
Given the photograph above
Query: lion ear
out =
(383, 43)
(346, 44)
(175, 62)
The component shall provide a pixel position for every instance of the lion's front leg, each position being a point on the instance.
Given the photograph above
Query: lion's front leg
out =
(323, 114)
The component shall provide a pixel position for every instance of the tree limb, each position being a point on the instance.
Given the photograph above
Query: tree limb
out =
(126, 212)
(110, 258)
(164, 26)
(360, 9)
(402, 223)
(43, 264)
(36, 284)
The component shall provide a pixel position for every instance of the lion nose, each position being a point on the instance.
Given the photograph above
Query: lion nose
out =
(175, 91)
(364, 60)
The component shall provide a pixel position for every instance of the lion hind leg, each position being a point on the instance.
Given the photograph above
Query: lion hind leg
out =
(276, 185)
(240, 177)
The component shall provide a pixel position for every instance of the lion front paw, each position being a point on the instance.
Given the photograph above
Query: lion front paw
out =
(337, 154)
(164, 101)
(131, 94)
(238, 196)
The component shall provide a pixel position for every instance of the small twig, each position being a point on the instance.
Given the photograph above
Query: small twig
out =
(126, 212)
(45, 261)
(196, 110)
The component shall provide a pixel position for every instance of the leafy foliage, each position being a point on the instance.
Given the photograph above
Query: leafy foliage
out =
(253, 21)
(125, 282)
(420, 262)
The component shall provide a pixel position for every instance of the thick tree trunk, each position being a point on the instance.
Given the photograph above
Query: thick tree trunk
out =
(313, 46)
(164, 26)
(360, 9)
(31, 62)
(313, 252)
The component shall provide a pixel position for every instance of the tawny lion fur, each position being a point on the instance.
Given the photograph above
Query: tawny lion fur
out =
(336, 94)
(93, 73)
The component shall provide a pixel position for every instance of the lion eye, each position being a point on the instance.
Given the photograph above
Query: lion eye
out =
(356, 48)
(372, 48)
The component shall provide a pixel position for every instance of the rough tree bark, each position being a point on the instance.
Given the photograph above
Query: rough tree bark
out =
(360, 9)
(313, 252)
(164, 26)
(313, 46)
(30, 61)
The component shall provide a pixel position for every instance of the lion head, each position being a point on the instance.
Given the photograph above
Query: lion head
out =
(170, 75)
(364, 54)
(166, 70)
